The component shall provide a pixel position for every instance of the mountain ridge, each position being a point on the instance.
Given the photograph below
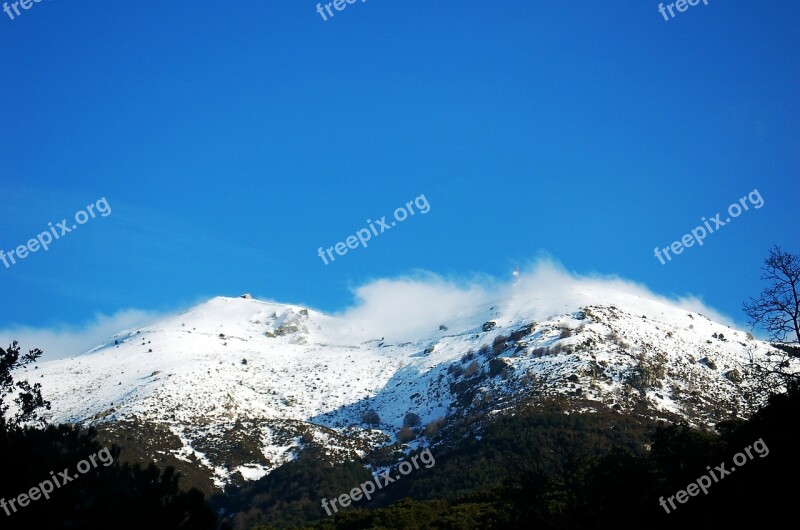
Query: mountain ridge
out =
(239, 386)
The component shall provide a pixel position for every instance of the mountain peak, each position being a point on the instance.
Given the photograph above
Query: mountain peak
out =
(300, 378)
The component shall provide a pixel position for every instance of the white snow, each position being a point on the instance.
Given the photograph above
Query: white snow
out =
(307, 368)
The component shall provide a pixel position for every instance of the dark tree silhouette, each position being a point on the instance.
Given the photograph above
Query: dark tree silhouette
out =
(777, 310)
(28, 398)
(112, 495)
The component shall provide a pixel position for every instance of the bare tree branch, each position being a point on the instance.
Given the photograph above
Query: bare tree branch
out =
(777, 310)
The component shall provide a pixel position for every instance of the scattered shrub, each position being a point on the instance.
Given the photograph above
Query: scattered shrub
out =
(496, 366)
(371, 417)
(734, 376)
(521, 333)
(499, 345)
(455, 370)
(471, 369)
(616, 339)
(708, 362)
(649, 373)
(411, 420)
(405, 435)
(434, 427)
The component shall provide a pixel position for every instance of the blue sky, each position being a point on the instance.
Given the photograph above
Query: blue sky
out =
(231, 140)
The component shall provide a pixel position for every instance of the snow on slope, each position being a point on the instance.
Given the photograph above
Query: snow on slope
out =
(241, 372)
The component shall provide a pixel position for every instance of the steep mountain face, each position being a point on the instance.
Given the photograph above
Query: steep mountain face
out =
(233, 388)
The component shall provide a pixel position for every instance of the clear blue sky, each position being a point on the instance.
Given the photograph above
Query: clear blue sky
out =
(232, 139)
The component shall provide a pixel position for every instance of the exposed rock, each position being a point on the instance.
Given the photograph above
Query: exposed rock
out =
(708, 362)
(734, 376)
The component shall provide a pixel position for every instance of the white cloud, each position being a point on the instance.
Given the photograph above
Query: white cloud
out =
(62, 341)
(412, 307)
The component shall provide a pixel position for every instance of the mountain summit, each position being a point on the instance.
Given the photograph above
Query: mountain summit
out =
(237, 386)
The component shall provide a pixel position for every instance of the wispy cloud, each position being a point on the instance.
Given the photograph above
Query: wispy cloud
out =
(62, 341)
(412, 307)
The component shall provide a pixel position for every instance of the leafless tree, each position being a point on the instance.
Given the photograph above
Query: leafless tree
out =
(774, 374)
(777, 310)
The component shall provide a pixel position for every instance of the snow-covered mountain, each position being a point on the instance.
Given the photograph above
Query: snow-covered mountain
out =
(238, 386)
